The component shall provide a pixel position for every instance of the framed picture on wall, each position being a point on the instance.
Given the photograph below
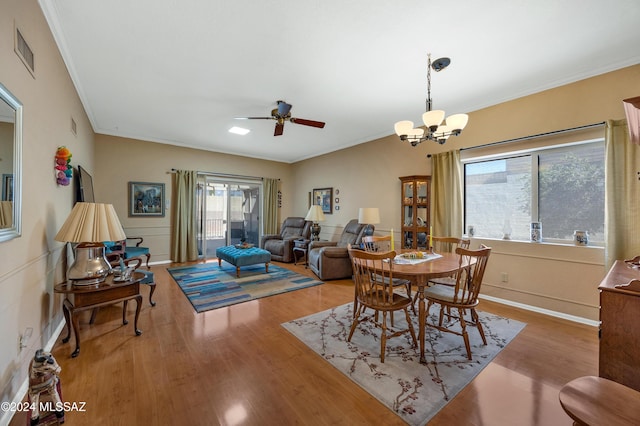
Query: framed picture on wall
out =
(323, 197)
(146, 199)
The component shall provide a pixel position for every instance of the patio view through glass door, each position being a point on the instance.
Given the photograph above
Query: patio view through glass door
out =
(228, 213)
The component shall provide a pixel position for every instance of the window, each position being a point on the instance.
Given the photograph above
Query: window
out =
(562, 187)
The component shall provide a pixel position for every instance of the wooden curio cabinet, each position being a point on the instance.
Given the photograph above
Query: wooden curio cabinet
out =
(416, 204)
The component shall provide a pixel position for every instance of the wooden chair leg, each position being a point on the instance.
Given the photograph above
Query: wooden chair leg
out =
(476, 320)
(383, 337)
(465, 335)
(152, 288)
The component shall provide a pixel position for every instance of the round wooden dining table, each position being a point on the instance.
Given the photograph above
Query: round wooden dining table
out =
(419, 274)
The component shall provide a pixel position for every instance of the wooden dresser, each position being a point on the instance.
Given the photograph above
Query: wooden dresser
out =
(619, 358)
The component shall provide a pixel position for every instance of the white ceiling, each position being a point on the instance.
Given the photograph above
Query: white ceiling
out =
(178, 72)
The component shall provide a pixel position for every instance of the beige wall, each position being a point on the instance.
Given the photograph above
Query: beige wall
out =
(553, 277)
(121, 160)
(31, 264)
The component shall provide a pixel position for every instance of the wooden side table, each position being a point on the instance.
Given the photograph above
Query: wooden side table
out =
(108, 292)
(300, 250)
(593, 400)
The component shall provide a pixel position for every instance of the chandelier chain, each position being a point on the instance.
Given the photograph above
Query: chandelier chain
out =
(428, 102)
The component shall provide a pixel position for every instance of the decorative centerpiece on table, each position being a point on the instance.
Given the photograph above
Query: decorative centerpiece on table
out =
(243, 244)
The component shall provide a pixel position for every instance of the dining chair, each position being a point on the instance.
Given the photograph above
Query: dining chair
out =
(377, 244)
(462, 296)
(445, 245)
(371, 273)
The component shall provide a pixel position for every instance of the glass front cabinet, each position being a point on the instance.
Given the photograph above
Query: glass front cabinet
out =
(416, 205)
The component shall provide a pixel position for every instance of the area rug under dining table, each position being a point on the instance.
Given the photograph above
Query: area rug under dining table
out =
(414, 391)
(209, 286)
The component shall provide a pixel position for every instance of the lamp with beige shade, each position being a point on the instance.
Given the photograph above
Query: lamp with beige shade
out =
(315, 215)
(88, 225)
(369, 216)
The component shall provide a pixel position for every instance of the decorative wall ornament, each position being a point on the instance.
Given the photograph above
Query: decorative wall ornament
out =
(63, 169)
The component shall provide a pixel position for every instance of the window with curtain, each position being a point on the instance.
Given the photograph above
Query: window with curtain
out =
(560, 186)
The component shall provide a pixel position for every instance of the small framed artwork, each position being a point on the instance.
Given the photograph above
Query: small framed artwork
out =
(7, 187)
(146, 199)
(323, 197)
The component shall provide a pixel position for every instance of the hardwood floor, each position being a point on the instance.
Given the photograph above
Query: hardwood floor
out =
(238, 366)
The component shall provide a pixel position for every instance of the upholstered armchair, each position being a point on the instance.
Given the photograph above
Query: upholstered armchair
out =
(128, 251)
(329, 260)
(281, 245)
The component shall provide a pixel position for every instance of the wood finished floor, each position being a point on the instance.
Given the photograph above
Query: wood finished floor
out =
(238, 366)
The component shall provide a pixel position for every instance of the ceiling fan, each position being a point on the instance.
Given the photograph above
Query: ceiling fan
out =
(281, 114)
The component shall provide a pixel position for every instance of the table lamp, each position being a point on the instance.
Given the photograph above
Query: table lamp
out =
(89, 224)
(369, 216)
(315, 215)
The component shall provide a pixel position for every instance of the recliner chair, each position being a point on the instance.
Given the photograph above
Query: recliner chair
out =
(281, 245)
(329, 260)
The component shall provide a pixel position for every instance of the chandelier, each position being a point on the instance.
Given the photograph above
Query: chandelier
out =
(437, 128)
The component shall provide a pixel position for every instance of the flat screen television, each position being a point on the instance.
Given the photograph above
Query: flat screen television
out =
(85, 186)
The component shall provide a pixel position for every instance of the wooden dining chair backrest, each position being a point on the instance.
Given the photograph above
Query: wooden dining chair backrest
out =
(449, 244)
(375, 243)
(470, 274)
(371, 272)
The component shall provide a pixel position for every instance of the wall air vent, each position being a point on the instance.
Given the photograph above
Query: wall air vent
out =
(25, 53)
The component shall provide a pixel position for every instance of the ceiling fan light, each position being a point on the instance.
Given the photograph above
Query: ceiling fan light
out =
(432, 119)
(239, 130)
(403, 127)
(457, 122)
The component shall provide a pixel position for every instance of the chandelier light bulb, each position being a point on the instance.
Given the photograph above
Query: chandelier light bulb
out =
(433, 119)
(457, 122)
(403, 127)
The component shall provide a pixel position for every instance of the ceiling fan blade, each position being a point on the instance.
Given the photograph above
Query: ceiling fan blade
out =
(254, 118)
(283, 108)
(304, 122)
(279, 129)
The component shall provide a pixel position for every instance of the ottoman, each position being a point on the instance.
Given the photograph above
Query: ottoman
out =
(243, 256)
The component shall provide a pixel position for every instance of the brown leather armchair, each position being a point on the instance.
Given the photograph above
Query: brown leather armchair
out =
(281, 245)
(329, 260)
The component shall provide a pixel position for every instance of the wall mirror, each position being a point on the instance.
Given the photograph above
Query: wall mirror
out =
(10, 165)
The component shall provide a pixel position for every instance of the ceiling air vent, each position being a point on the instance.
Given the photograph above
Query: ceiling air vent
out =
(25, 53)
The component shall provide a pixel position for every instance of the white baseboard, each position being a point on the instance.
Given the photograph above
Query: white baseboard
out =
(543, 311)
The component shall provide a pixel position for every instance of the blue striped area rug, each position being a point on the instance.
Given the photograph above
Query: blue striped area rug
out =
(209, 286)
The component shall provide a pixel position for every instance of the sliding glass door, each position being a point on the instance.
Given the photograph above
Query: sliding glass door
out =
(229, 212)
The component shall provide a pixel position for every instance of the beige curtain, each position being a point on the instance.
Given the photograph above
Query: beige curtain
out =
(270, 221)
(6, 214)
(446, 194)
(184, 244)
(622, 194)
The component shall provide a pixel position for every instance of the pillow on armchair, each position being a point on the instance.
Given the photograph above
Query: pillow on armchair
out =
(329, 260)
(281, 245)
